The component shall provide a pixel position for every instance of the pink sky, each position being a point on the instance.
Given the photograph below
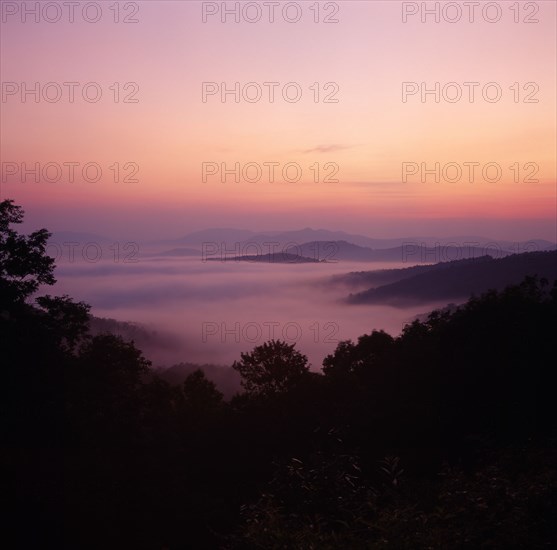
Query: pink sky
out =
(169, 133)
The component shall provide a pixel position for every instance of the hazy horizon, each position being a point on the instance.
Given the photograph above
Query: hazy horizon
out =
(522, 230)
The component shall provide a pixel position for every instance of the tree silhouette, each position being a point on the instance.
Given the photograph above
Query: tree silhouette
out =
(24, 264)
(66, 320)
(200, 393)
(105, 384)
(350, 358)
(272, 368)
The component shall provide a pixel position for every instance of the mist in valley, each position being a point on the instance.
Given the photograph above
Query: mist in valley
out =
(210, 312)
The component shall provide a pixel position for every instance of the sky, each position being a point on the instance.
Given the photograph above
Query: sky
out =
(353, 143)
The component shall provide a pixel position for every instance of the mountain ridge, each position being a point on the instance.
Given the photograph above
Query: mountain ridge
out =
(449, 281)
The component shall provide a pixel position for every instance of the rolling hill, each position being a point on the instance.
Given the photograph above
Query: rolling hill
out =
(458, 280)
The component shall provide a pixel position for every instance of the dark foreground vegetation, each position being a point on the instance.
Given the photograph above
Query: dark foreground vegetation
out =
(441, 438)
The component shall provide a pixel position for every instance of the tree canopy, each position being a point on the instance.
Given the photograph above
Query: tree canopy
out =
(272, 368)
(24, 264)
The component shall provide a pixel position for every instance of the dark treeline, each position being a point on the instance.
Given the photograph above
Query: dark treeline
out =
(443, 437)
